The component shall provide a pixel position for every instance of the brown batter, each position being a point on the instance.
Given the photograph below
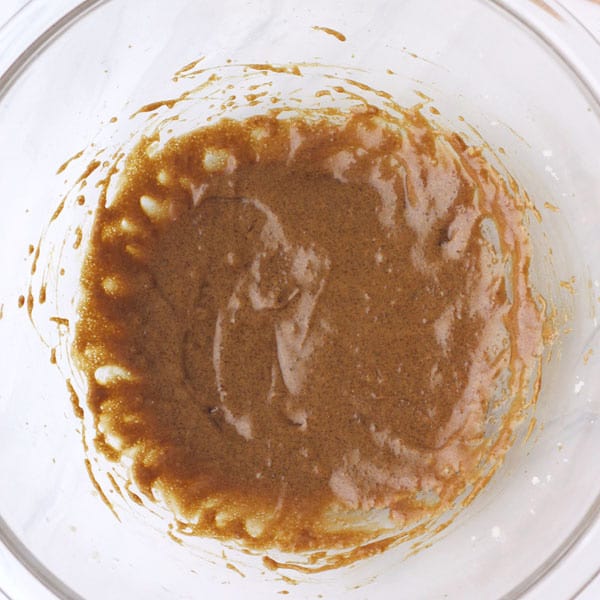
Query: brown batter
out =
(286, 319)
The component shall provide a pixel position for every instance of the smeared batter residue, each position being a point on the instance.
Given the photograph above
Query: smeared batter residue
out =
(285, 320)
(336, 34)
(307, 330)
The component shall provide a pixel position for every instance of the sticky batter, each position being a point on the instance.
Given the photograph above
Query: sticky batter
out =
(285, 320)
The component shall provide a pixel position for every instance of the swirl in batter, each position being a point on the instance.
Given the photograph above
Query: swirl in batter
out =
(284, 320)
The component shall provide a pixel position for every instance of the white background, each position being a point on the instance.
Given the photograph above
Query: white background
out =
(588, 12)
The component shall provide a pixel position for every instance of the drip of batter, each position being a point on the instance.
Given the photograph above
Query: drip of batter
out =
(287, 319)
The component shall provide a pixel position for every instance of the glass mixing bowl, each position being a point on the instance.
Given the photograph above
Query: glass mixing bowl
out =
(517, 75)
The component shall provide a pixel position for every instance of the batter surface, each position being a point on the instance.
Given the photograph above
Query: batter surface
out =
(287, 319)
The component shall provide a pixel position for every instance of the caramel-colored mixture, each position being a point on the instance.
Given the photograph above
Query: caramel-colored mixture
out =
(285, 320)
